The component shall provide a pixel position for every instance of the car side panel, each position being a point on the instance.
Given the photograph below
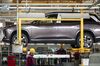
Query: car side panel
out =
(67, 31)
(43, 31)
(97, 32)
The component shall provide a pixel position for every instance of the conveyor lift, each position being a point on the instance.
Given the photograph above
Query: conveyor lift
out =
(81, 49)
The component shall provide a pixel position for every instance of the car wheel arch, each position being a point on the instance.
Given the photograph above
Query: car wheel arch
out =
(86, 31)
(23, 31)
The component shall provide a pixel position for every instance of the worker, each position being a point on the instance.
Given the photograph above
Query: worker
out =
(77, 58)
(23, 57)
(30, 60)
(61, 51)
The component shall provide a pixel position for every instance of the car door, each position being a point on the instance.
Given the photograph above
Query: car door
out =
(44, 30)
(67, 29)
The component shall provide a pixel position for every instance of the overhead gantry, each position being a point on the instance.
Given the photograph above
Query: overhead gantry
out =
(81, 20)
(82, 49)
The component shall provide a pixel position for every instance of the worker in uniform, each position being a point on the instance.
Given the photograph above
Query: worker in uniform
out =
(23, 57)
(30, 60)
(77, 58)
(61, 51)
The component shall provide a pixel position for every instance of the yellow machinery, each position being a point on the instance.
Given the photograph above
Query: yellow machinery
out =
(81, 49)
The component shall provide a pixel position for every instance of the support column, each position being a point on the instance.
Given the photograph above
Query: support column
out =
(19, 31)
(82, 30)
(82, 33)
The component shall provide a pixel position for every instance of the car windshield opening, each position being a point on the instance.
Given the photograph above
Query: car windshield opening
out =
(95, 17)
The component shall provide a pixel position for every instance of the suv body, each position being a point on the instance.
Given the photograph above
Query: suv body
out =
(58, 31)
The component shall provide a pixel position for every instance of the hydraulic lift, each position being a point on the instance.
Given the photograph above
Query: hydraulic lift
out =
(81, 49)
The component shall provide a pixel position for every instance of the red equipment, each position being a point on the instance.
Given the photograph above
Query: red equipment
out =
(11, 61)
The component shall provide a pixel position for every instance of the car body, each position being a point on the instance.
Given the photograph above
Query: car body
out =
(57, 31)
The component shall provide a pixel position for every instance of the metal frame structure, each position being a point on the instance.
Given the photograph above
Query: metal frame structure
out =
(55, 6)
(59, 4)
(81, 49)
(33, 6)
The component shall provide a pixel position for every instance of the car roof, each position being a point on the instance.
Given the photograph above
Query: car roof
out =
(31, 15)
(69, 14)
(58, 12)
(61, 12)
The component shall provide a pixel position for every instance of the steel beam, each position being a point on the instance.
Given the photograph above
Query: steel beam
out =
(49, 8)
(48, 4)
